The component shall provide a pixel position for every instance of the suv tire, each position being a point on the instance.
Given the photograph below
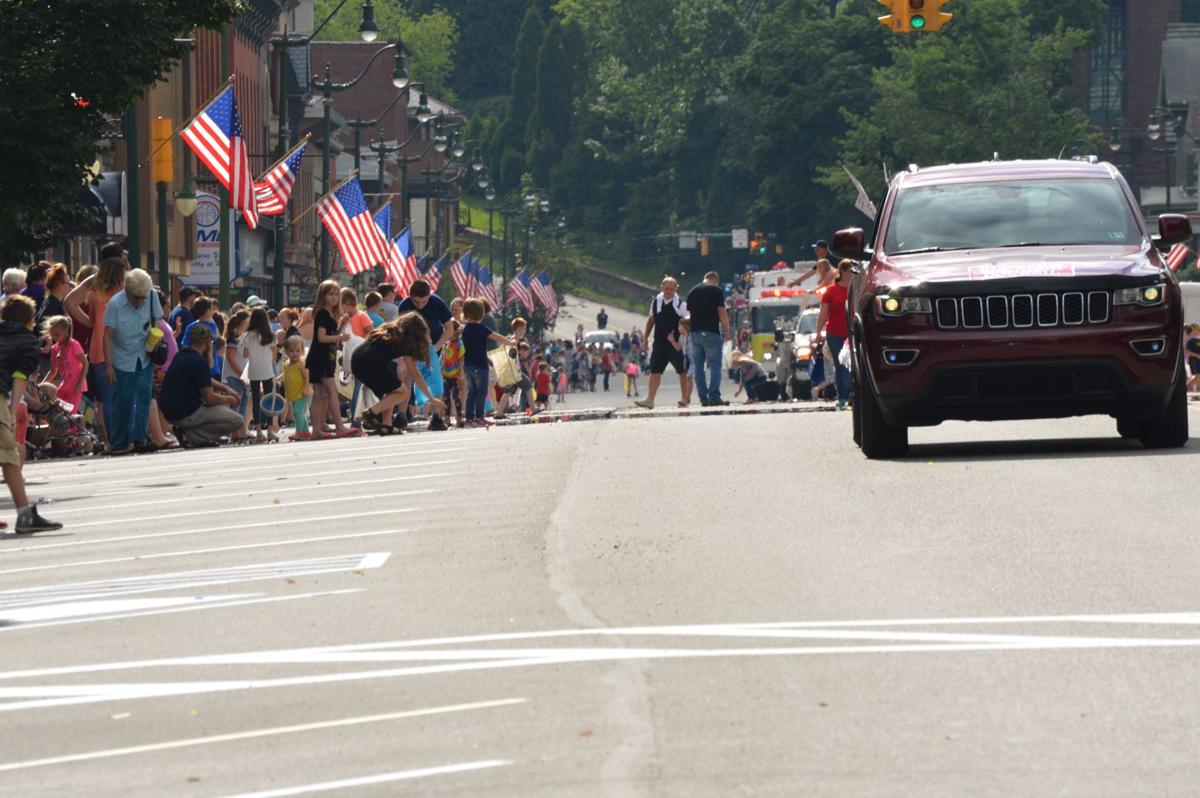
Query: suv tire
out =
(1129, 428)
(877, 438)
(1170, 430)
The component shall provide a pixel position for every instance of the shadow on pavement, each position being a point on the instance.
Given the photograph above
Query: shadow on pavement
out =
(976, 451)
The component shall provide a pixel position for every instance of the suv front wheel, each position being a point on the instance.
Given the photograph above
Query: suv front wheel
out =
(876, 437)
(1170, 430)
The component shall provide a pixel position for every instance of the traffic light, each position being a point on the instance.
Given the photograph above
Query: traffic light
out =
(935, 17)
(914, 15)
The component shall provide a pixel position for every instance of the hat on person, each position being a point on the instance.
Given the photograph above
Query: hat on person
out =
(112, 250)
(255, 301)
(821, 243)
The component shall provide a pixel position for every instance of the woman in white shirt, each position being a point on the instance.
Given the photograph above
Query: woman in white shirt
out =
(258, 346)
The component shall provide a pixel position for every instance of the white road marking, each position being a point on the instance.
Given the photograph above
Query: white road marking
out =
(450, 660)
(156, 476)
(250, 735)
(75, 609)
(381, 778)
(181, 580)
(276, 481)
(203, 603)
(202, 530)
(159, 463)
(261, 507)
(191, 552)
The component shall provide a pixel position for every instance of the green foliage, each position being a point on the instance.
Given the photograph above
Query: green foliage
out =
(550, 123)
(987, 84)
(45, 48)
(430, 39)
(510, 137)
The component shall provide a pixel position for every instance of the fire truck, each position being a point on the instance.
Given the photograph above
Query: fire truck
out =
(773, 304)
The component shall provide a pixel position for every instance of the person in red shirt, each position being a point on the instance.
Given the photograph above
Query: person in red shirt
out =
(831, 326)
(544, 386)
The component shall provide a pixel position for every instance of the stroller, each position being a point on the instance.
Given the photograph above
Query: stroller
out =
(53, 430)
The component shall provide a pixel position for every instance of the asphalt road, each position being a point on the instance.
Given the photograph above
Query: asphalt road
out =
(666, 606)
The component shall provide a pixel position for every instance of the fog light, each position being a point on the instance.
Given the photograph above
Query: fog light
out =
(891, 304)
(899, 357)
(1150, 295)
(1149, 347)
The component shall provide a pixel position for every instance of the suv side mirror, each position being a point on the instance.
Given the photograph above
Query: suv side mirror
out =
(850, 243)
(1173, 228)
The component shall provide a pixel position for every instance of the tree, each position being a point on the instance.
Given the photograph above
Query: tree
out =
(510, 138)
(988, 84)
(54, 114)
(550, 123)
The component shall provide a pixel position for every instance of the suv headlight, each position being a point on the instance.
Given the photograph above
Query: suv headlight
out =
(1146, 296)
(902, 305)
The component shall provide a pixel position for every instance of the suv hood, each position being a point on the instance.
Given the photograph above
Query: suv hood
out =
(1019, 266)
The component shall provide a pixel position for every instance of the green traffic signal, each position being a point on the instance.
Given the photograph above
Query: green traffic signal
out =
(916, 21)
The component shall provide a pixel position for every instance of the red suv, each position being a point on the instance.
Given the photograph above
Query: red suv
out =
(1009, 290)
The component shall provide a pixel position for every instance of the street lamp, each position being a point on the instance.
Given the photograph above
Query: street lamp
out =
(485, 182)
(368, 29)
(457, 150)
(185, 198)
(423, 112)
(328, 87)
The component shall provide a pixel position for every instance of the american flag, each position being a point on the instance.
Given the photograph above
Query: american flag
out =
(434, 275)
(273, 190)
(543, 289)
(460, 273)
(473, 267)
(393, 263)
(407, 267)
(358, 238)
(1177, 256)
(487, 287)
(215, 135)
(519, 291)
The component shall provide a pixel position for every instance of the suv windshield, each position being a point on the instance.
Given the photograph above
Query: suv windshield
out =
(808, 324)
(1011, 213)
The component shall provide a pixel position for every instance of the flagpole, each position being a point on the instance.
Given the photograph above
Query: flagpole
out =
(289, 154)
(178, 128)
(307, 210)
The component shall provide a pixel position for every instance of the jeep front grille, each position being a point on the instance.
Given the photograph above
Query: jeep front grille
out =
(1022, 311)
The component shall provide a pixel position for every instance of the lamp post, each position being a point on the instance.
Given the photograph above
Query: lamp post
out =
(368, 30)
(1159, 118)
(328, 88)
(383, 150)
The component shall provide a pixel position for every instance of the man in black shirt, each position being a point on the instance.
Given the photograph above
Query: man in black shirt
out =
(706, 304)
(665, 313)
(197, 406)
(601, 319)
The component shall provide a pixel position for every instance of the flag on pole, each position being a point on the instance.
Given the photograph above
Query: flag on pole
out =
(393, 264)
(519, 290)
(273, 190)
(863, 201)
(215, 135)
(473, 267)
(345, 215)
(543, 289)
(487, 287)
(460, 274)
(434, 275)
(407, 267)
(1177, 256)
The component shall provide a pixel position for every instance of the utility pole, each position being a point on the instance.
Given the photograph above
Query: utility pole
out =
(133, 184)
(226, 227)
